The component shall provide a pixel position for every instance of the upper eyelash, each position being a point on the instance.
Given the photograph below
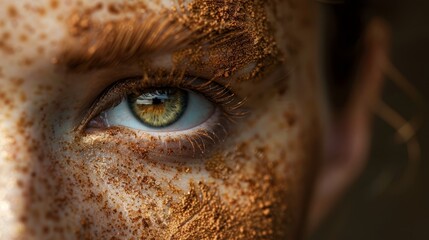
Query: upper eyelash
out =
(230, 103)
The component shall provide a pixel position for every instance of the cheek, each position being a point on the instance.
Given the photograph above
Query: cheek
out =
(116, 194)
(285, 129)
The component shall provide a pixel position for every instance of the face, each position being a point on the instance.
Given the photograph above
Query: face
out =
(155, 120)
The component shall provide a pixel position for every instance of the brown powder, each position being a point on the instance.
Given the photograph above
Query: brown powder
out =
(216, 166)
(241, 25)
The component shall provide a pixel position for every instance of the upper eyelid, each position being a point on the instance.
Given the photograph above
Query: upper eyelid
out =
(106, 97)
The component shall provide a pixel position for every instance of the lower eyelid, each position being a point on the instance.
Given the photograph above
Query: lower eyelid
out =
(183, 146)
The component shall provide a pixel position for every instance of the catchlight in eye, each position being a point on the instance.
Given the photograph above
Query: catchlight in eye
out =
(159, 107)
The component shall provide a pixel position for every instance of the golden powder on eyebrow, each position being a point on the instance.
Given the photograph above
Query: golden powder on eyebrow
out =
(234, 33)
(226, 37)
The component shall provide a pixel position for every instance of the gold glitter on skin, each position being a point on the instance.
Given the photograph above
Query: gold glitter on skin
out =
(109, 183)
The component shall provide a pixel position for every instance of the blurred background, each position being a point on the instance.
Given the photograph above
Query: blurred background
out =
(376, 207)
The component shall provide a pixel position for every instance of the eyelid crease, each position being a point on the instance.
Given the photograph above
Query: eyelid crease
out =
(230, 103)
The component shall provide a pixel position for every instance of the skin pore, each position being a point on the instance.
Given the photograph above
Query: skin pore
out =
(243, 174)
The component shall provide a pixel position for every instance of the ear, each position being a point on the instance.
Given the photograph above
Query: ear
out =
(349, 131)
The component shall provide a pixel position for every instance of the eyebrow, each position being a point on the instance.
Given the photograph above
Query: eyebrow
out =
(123, 42)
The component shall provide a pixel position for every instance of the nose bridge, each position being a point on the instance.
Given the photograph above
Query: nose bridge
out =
(16, 166)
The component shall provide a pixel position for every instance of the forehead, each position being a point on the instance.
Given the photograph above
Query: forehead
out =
(12, 8)
(45, 19)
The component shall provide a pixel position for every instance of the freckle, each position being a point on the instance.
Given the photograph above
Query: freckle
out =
(23, 38)
(290, 118)
(45, 230)
(282, 90)
(12, 12)
(113, 9)
(54, 60)
(49, 88)
(43, 36)
(54, 4)
(19, 184)
(6, 48)
(40, 50)
(23, 219)
(17, 82)
(27, 61)
(5, 36)
(23, 97)
(4, 44)
(99, 6)
(41, 11)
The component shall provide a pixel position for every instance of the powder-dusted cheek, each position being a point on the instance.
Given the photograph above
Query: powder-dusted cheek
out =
(251, 187)
(146, 200)
(230, 195)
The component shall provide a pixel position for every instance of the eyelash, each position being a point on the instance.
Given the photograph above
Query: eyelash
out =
(229, 108)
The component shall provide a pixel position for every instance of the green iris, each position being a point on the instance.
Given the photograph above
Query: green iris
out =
(159, 107)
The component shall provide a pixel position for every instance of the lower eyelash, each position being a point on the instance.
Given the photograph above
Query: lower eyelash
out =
(188, 147)
(196, 142)
(201, 141)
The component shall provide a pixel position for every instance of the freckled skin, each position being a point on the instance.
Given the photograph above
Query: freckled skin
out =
(56, 183)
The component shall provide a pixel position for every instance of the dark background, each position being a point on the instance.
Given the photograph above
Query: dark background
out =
(376, 207)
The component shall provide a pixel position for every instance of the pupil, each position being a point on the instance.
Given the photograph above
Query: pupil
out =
(156, 101)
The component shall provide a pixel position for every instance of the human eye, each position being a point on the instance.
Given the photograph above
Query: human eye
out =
(161, 109)
(180, 113)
